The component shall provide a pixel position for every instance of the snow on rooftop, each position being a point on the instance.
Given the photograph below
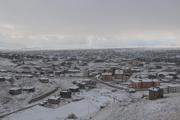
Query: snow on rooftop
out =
(119, 72)
(154, 89)
(74, 87)
(144, 80)
(54, 97)
(107, 73)
(15, 88)
(174, 85)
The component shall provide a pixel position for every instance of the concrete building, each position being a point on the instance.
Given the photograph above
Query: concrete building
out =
(173, 88)
(44, 80)
(107, 76)
(155, 93)
(54, 100)
(15, 91)
(65, 94)
(29, 89)
(144, 84)
(2, 79)
(74, 89)
(119, 74)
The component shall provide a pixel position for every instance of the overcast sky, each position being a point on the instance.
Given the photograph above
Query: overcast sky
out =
(72, 24)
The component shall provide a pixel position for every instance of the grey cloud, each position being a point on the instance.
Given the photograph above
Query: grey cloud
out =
(83, 18)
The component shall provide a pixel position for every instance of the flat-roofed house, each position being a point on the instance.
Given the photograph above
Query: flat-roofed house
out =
(144, 84)
(15, 91)
(65, 94)
(119, 74)
(173, 88)
(44, 80)
(54, 100)
(155, 93)
(107, 76)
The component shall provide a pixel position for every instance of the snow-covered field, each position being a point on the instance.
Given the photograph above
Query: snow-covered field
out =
(103, 103)
(84, 109)
(167, 108)
(116, 106)
(100, 103)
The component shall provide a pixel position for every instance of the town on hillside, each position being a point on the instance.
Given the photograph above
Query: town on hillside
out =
(96, 84)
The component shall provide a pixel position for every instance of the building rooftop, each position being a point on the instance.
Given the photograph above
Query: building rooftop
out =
(145, 80)
(107, 73)
(119, 72)
(155, 89)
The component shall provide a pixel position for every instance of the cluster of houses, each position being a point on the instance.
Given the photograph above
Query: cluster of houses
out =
(68, 93)
(19, 90)
(158, 92)
(111, 67)
(86, 83)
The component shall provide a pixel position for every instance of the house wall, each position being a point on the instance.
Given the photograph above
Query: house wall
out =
(107, 77)
(53, 101)
(155, 94)
(156, 83)
(119, 76)
(15, 92)
(144, 85)
(136, 85)
(65, 94)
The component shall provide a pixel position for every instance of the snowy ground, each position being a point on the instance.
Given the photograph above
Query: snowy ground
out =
(84, 109)
(117, 105)
(163, 109)
(101, 103)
